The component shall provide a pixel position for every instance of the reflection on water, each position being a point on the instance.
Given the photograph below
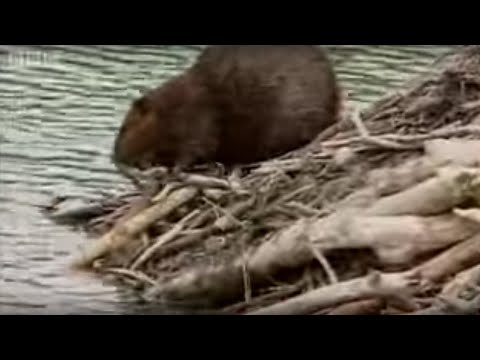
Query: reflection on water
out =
(59, 109)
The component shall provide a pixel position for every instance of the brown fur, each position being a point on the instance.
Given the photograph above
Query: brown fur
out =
(237, 104)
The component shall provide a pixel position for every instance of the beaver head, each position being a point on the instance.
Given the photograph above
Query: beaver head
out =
(134, 145)
(172, 125)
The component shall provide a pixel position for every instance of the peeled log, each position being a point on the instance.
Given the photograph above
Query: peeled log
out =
(432, 197)
(439, 152)
(458, 258)
(463, 282)
(393, 180)
(460, 152)
(378, 285)
(395, 239)
(133, 227)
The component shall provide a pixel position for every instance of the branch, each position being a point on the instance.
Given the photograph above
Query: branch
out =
(125, 232)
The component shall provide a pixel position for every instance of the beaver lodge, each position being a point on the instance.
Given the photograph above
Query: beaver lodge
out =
(381, 215)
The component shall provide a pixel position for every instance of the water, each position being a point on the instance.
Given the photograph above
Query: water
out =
(59, 109)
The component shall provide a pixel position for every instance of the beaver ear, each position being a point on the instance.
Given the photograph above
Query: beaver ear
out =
(141, 104)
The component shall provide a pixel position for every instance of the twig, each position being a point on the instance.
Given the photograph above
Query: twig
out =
(202, 181)
(332, 276)
(362, 307)
(246, 283)
(132, 274)
(366, 137)
(125, 232)
(441, 133)
(226, 222)
(283, 292)
(164, 239)
(183, 243)
(225, 212)
(305, 209)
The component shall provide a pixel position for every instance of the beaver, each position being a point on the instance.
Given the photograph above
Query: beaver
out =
(235, 105)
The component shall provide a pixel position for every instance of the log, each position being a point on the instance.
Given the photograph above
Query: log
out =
(452, 261)
(459, 152)
(125, 232)
(393, 180)
(395, 239)
(372, 286)
(362, 307)
(463, 281)
(456, 259)
(431, 197)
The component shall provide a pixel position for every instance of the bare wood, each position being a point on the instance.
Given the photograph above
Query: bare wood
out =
(369, 139)
(409, 139)
(388, 181)
(136, 275)
(372, 286)
(332, 276)
(447, 306)
(463, 281)
(431, 197)
(392, 283)
(125, 232)
(267, 299)
(460, 152)
(452, 261)
(470, 214)
(182, 243)
(202, 181)
(361, 307)
(162, 240)
(395, 239)
(229, 219)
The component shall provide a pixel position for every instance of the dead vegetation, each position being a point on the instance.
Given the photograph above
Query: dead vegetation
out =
(381, 215)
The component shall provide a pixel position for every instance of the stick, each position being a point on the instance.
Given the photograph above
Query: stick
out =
(376, 285)
(452, 261)
(463, 281)
(123, 233)
(361, 307)
(412, 139)
(332, 277)
(369, 139)
(162, 240)
(389, 181)
(132, 274)
(269, 298)
(459, 152)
